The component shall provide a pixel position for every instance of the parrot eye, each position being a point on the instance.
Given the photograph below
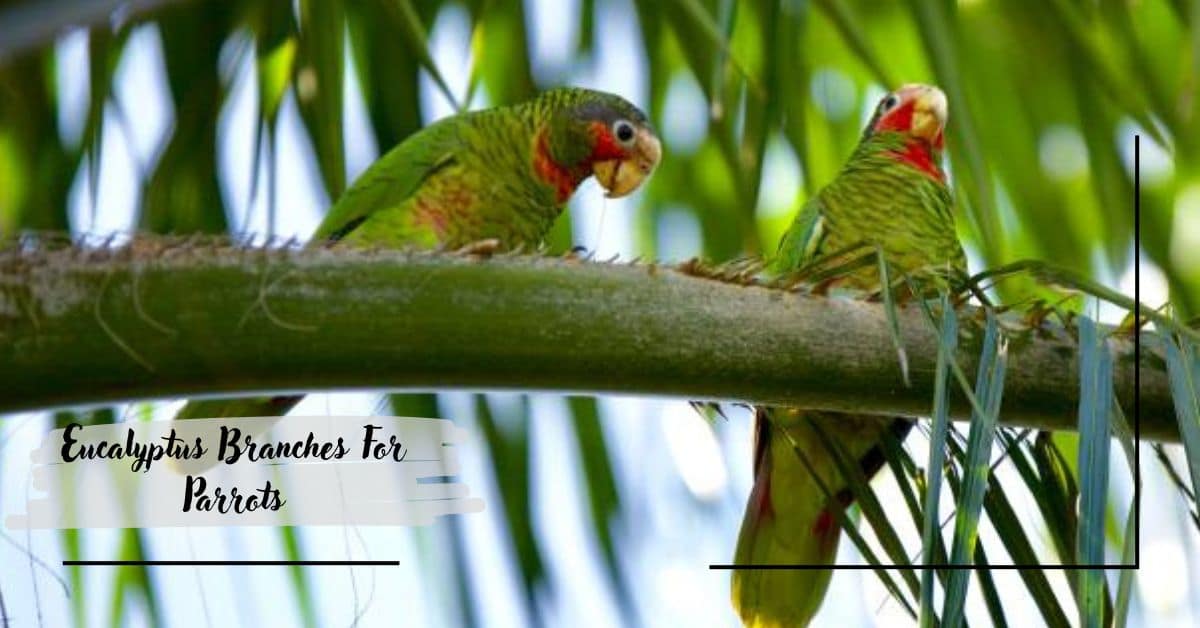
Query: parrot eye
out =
(623, 129)
(888, 103)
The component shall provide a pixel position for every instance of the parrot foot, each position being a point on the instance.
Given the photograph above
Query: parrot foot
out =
(482, 248)
(578, 252)
(822, 289)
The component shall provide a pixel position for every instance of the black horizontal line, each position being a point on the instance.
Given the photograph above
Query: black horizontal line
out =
(810, 567)
(229, 563)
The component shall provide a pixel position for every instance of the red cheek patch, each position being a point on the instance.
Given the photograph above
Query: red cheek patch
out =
(898, 119)
(605, 145)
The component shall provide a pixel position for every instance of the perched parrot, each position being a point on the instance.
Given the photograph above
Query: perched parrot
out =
(501, 175)
(891, 195)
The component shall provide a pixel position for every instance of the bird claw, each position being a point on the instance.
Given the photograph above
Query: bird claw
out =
(482, 248)
(578, 252)
(822, 288)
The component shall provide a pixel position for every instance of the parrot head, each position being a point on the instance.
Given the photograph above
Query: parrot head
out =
(595, 133)
(917, 113)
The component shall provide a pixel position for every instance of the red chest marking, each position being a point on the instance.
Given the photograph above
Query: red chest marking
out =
(917, 155)
(563, 179)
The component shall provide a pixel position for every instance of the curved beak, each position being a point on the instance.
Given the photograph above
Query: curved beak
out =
(929, 113)
(622, 176)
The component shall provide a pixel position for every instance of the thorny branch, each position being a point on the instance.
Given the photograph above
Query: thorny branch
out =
(490, 320)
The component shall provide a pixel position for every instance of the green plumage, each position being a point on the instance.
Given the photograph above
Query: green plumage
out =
(473, 176)
(464, 179)
(877, 200)
(880, 201)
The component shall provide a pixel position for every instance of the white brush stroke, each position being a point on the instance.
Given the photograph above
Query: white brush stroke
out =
(349, 490)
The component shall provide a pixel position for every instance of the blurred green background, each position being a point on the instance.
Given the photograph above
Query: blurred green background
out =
(247, 117)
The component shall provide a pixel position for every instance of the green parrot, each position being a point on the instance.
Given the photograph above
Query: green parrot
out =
(892, 195)
(499, 176)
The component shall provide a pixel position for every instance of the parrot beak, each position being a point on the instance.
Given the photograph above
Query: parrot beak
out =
(929, 113)
(622, 176)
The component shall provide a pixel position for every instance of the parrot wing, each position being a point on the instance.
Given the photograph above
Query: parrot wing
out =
(802, 241)
(393, 179)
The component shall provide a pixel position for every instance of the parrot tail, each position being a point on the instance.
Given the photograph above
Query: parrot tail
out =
(789, 520)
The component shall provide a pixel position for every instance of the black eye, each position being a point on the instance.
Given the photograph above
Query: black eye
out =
(623, 129)
(889, 102)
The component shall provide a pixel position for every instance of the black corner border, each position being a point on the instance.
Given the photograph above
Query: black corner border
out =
(1137, 439)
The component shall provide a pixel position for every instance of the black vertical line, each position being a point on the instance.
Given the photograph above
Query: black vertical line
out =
(1137, 352)
(1137, 436)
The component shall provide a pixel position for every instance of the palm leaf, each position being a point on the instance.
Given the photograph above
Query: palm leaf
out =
(183, 194)
(297, 576)
(603, 499)
(988, 388)
(1183, 369)
(1004, 518)
(318, 85)
(931, 538)
(848, 25)
(1095, 395)
(509, 450)
(388, 71)
(412, 30)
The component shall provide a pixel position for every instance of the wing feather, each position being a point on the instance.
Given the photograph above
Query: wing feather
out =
(393, 179)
